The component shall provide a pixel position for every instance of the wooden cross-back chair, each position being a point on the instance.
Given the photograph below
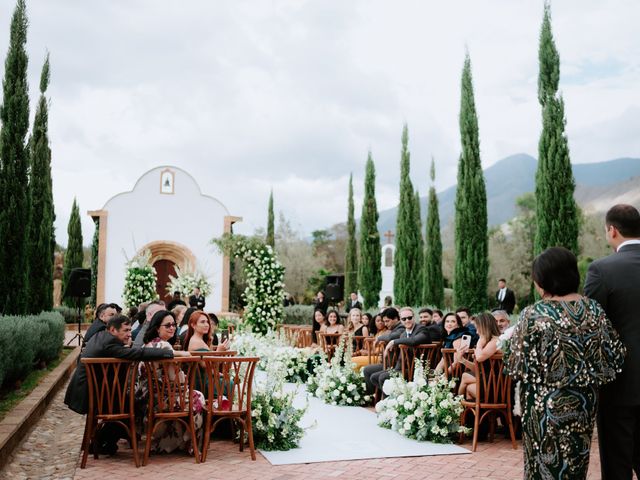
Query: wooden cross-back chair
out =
(111, 399)
(170, 397)
(229, 382)
(359, 344)
(426, 352)
(374, 352)
(304, 336)
(452, 370)
(493, 389)
(329, 342)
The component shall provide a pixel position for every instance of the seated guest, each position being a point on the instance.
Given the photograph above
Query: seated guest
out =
(404, 331)
(183, 326)
(177, 300)
(151, 309)
(200, 334)
(426, 320)
(426, 316)
(104, 313)
(356, 327)
(133, 311)
(109, 343)
(334, 322)
(468, 321)
(487, 345)
(437, 316)
(319, 325)
(361, 358)
(452, 331)
(168, 436)
(502, 317)
(369, 321)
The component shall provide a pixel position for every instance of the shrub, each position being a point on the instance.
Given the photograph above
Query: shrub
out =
(26, 341)
(298, 315)
(69, 314)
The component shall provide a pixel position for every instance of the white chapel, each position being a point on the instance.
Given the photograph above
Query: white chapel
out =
(167, 214)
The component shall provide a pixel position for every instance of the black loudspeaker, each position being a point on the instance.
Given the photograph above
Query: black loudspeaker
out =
(334, 288)
(79, 285)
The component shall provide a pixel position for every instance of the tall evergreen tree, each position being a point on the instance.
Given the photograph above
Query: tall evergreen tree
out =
(14, 204)
(471, 239)
(271, 238)
(406, 260)
(369, 274)
(419, 253)
(557, 214)
(74, 255)
(351, 255)
(433, 286)
(41, 242)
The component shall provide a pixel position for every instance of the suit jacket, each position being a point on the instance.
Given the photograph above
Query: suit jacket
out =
(614, 282)
(509, 302)
(97, 326)
(393, 334)
(357, 305)
(104, 345)
(419, 335)
(197, 302)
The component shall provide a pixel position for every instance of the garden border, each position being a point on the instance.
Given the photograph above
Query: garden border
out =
(19, 421)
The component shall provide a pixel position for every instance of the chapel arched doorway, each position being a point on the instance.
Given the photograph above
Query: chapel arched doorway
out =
(164, 268)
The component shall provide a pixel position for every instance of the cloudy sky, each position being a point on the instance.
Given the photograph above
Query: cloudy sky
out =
(253, 95)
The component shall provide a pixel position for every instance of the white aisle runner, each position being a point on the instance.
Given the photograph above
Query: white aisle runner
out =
(348, 433)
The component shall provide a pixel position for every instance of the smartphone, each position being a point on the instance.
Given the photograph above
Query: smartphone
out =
(224, 335)
(466, 340)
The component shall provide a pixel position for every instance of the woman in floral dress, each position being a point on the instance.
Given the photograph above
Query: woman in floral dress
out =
(168, 436)
(562, 349)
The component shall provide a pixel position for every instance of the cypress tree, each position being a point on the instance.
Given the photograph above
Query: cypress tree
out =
(271, 239)
(41, 242)
(369, 274)
(433, 288)
(14, 202)
(556, 211)
(351, 255)
(419, 253)
(406, 265)
(471, 239)
(74, 256)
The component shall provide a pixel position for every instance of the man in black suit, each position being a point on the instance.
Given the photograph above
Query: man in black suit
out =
(426, 319)
(405, 332)
(505, 297)
(353, 302)
(109, 343)
(614, 281)
(104, 313)
(197, 299)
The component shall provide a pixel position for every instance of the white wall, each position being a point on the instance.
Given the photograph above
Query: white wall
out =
(388, 274)
(145, 215)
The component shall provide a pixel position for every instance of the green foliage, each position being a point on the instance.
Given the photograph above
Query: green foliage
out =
(14, 201)
(74, 256)
(69, 314)
(369, 275)
(316, 282)
(419, 278)
(407, 258)
(95, 246)
(297, 315)
(556, 211)
(351, 254)
(433, 283)
(271, 238)
(41, 242)
(471, 241)
(26, 341)
(264, 274)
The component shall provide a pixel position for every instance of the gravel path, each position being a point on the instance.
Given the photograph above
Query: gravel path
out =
(52, 448)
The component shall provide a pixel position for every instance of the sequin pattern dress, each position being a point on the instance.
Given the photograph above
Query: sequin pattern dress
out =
(561, 352)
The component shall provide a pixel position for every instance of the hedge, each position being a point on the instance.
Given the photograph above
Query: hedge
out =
(70, 314)
(27, 341)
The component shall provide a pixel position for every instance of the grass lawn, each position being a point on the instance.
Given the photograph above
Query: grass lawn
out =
(9, 398)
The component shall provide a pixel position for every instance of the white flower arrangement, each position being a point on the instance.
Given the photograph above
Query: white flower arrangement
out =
(336, 382)
(187, 279)
(276, 422)
(139, 280)
(421, 409)
(274, 353)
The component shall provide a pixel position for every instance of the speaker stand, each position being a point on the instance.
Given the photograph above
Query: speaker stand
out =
(78, 335)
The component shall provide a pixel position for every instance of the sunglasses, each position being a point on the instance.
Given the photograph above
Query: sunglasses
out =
(168, 325)
(406, 318)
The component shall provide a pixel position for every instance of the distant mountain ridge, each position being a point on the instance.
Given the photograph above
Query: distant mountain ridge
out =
(513, 176)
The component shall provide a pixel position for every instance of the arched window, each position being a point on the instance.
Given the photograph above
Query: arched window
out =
(388, 257)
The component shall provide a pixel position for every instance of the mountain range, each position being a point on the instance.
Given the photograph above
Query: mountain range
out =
(598, 186)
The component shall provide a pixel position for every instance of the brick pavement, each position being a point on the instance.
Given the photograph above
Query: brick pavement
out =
(52, 450)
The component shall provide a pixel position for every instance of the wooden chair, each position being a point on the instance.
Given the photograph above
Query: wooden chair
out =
(424, 352)
(170, 397)
(111, 399)
(359, 344)
(452, 371)
(304, 337)
(329, 342)
(230, 380)
(215, 353)
(493, 398)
